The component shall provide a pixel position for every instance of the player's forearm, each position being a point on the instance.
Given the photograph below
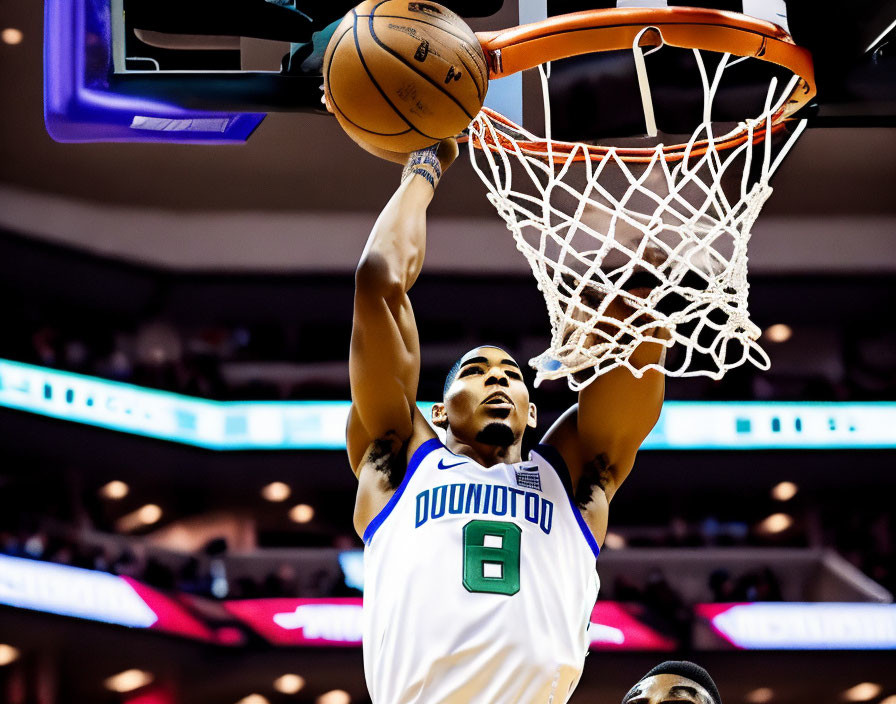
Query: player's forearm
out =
(396, 247)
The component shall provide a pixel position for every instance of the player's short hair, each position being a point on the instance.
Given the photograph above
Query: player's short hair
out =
(455, 368)
(683, 668)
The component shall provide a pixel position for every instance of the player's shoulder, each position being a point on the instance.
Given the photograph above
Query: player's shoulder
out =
(422, 432)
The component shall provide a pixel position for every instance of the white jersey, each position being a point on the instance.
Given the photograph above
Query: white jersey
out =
(479, 583)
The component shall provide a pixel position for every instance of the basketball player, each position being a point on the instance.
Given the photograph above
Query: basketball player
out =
(674, 681)
(480, 564)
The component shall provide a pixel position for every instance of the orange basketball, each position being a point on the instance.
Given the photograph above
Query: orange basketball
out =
(403, 75)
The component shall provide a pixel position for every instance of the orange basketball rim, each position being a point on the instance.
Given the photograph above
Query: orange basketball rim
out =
(516, 49)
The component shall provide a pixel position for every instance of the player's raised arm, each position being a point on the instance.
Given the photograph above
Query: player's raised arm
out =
(600, 435)
(384, 360)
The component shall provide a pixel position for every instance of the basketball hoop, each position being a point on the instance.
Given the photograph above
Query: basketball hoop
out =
(632, 243)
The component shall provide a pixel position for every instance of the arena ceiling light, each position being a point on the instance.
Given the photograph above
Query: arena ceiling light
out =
(762, 695)
(778, 333)
(614, 541)
(334, 696)
(862, 692)
(128, 681)
(114, 490)
(776, 523)
(784, 491)
(276, 491)
(12, 36)
(254, 699)
(289, 684)
(301, 513)
(143, 516)
(8, 654)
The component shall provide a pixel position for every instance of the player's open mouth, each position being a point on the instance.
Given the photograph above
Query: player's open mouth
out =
(498, 400)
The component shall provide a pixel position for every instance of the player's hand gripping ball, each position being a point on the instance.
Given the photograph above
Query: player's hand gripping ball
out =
(403, 75)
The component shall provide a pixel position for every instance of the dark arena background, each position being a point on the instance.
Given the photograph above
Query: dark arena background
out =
(175, 499)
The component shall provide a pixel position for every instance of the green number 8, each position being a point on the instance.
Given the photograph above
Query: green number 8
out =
(492, 557)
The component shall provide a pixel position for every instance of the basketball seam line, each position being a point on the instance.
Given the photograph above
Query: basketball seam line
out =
(404, 119)
(483, 76)
(419, 73)
(336, 105)
(374, 81)
(475, 83)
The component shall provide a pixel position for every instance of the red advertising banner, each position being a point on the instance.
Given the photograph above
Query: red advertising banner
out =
(337, 622)
(80, 593)
(618, 626)
(302, 621)
(171, 616)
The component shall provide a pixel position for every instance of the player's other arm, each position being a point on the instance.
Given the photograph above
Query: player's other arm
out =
(384, 359)
(600, 435)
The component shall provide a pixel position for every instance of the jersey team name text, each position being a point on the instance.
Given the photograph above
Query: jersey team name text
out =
(493, 499)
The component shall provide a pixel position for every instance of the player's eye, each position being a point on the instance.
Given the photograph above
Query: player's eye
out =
(515, 375)
(467, 371)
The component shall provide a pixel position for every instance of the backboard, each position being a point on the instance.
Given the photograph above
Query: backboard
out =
(165, 70)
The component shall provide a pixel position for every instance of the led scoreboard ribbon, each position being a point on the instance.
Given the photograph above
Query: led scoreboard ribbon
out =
(320, 425)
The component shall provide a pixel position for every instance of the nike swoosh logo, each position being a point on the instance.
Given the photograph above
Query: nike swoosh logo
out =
(442, 464)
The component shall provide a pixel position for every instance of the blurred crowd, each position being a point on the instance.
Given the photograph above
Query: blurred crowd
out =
(275, 361)
(867, 539)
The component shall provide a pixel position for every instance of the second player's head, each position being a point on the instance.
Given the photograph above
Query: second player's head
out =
(485, 399)
(674, 680)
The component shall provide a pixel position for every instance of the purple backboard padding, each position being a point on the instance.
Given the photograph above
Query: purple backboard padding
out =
(81, 106)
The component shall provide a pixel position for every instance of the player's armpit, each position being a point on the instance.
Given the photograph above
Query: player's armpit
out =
(600, 436)
(380, 470)
(380, 465)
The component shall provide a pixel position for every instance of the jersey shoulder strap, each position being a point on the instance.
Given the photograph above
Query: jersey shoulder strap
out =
(553, 458)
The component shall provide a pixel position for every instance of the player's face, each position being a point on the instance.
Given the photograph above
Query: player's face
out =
(667, 689)
(488, 390)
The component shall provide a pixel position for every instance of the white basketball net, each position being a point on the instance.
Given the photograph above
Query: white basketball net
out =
(594, 224)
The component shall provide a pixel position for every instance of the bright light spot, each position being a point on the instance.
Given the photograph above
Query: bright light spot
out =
(778, 333)
(254, 699)
(776, 523)
(862, 692)
(8, 654)
(301, 513)
(11, 35)
(334, 696)
(289, 684)
(614, 541)
(276, 491)
(149, 514)
(763, 695)
(784, 491)
(115, 490)
(128, 681)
